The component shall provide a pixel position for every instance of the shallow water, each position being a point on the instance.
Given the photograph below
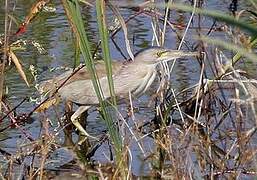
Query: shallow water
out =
(52, 31)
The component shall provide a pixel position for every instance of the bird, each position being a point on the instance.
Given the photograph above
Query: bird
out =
(129, 77)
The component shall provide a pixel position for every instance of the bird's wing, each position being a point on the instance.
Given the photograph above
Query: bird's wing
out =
(82, 74)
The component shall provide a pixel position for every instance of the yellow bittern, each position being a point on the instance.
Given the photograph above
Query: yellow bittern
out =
(133, 77)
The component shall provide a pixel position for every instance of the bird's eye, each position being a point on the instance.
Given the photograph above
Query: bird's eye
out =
(159, 54)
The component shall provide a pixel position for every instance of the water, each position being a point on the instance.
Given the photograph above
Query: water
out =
(52, 31)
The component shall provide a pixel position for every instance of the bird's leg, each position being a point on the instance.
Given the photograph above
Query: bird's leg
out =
(74, 120)
(68, 129)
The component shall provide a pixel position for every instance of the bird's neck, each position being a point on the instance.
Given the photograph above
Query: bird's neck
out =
(139, 63)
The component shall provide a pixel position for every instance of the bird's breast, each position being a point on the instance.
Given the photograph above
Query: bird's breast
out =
(135, 79)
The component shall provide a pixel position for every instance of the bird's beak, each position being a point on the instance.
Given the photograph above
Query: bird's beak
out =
(168, 55)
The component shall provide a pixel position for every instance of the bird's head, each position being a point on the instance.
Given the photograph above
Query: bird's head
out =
(154, 55)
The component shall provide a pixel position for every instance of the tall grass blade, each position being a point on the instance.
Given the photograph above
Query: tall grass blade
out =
(78, 26)
(101, 21)
(103, 32)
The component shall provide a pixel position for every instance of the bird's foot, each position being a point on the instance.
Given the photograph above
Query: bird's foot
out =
(74, 120)
(85, 133)
(85, 137)
(81, 130)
